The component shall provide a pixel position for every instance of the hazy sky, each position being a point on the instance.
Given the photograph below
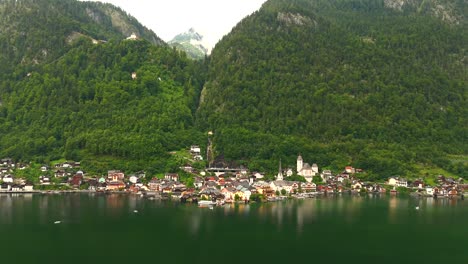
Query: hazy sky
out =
(167, 18)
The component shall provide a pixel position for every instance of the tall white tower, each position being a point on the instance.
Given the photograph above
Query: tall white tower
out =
(300, 163)
(279, 177)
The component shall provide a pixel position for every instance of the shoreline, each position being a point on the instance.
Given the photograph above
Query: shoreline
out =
(267, 200)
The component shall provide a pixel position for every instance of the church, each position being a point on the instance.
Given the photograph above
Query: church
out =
(305, 170)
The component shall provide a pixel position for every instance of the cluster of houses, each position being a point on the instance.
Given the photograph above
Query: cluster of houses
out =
(446, 187)
(8, 181)
(226, 184)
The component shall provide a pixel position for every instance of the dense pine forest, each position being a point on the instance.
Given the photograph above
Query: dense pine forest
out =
(343, 82)
(77, 89)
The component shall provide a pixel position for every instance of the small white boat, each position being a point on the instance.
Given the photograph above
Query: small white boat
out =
(206, 204)
(57, 222)
(135, 211)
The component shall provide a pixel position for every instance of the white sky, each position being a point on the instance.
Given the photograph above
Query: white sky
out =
(167, 18)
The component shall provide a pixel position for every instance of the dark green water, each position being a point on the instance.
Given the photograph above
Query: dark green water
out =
(105, 229)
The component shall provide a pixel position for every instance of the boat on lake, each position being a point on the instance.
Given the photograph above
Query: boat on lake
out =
(206, 204)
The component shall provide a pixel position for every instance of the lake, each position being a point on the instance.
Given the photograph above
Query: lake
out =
(99, 228)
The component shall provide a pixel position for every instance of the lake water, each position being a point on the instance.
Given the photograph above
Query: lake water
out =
(105, 229)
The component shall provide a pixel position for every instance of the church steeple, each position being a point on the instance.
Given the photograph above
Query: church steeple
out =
(279, 177)
(300, 164)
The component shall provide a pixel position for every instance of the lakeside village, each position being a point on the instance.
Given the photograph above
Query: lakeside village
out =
(220, 184)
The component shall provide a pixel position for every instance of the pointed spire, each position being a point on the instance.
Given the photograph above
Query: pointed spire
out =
(279, 177)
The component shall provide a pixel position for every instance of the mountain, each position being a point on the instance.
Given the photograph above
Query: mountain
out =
(376, 84)
(38, 31)
(191, 42)
(379, 84)
(74, 86)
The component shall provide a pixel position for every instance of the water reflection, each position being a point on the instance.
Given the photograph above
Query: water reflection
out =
(297, 215)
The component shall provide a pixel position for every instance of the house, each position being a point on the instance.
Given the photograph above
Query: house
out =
(221, 182)
(187, 168)
(171, 177)
(93, 183)
(329, 189)
(133, 179)
(258, 175)
(61, 173)
(115, 186)
(28, 187)
(8, 178)
(76, 181)
(7, 162)
(350, 170)
(228, 193)
(244, 171)
(281, 185)
(115, 175)
(392, 181)
(4, 187)
(209, 193)
(402, 182)
(327, 175)
(198, 182)
(195, 150)
(16, 188)
(133, 36)
(155, 185)
(452, 192)
(68, 165)
(429, 190)
(340, 189)
(418, 184)
(356, 186)
(44, 168)
(309, 187)
(101, 186)
(397, 181)
(44, 180)
(239, 195)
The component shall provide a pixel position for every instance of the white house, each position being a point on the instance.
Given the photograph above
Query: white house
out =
(429, 190)
(357, 185)
(133, 179)
(8, 179)
(397, 181)
(132, 37)
(350, 170)
(258, 175)
(5, 187)
(195, 149)
(280, 185)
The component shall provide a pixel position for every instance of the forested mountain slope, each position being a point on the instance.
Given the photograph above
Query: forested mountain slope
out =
(65, 95)
(36, 31)
(379, 84)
